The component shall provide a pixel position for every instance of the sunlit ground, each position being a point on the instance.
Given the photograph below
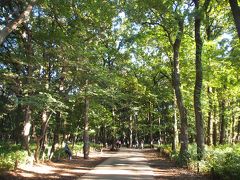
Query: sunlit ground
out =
(61, 169)
(126, 164)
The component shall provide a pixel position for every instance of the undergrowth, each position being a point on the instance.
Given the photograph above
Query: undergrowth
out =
(222, 161)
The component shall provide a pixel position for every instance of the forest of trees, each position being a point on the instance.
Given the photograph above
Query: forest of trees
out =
(97, 71)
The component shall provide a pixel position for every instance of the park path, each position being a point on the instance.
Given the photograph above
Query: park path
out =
(122, 165)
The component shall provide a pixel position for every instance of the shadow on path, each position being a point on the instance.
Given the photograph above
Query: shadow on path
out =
(122, 165)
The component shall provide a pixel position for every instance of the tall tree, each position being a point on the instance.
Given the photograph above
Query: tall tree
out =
(178, 93)
(199, 77)
(86, 124)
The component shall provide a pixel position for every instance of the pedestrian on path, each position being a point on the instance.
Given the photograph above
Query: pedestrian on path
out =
(68, 151)
(142, 144)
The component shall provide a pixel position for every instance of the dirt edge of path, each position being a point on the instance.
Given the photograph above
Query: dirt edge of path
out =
(164, 168)
(62, 169)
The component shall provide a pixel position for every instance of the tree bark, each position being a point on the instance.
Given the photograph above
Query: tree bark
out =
(236, 14)
(26, 128)
(238, 130)
(178, 93)
(233, 128)
(86, 125)
(150, 123)
(214, 137)
(56, 135)
(223, 122)
(210, 122)
(27, 110)
(175, 127)
(199, 78)
(130, 131)
(11, 26)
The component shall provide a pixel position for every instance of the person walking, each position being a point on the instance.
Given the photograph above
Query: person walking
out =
(68, 151)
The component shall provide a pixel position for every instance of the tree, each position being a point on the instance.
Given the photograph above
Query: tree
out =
(236, 14)
(199, 78)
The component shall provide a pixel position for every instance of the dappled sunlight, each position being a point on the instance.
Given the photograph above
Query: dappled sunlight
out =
(55, 170)
(127, 164)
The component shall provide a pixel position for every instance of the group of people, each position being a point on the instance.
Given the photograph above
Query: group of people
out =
(118, 143)
(141, 145)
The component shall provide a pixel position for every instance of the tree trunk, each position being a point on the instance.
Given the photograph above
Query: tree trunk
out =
(223, 123)
(56, 136)
(214, 137)
(210, 122)
(176, 85)
(233, 124)
(175, 127)
(159, 131)
(27, 111)
(26, 129)
(11, 26)
(150, 123)
(130, 131)
(214, 133)
(198, 81)
(236, 14)
(40, 140)
(136, 128)
(86, 125)
(238, 130)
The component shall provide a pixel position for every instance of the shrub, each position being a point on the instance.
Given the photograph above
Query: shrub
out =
(223, 161)
(10, 160)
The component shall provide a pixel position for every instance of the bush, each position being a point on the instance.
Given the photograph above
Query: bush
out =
(11, 157)
(223, 161)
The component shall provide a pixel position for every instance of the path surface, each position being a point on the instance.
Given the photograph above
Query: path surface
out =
(125, 164)
(122, 165)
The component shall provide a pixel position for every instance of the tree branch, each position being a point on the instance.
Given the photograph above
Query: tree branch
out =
(15, 23)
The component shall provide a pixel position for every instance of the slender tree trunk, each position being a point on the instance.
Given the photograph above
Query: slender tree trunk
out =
(175, 127)
(86, 125)
(150, 122)
(136, 128)
(159, 131)
(176, 85)
(233, 124)
(130, 131)
(58, 118)
(56, 135)
(210, 122)
(40, 140)
(223, 123)
(11, 26)
(236, 14)
(214, 137)
(238, 130)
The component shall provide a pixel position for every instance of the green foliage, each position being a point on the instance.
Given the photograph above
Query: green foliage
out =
(165, 149)
(223, 161)
(11, 156)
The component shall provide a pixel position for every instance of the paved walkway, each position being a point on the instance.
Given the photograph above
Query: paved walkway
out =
(122, 165)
